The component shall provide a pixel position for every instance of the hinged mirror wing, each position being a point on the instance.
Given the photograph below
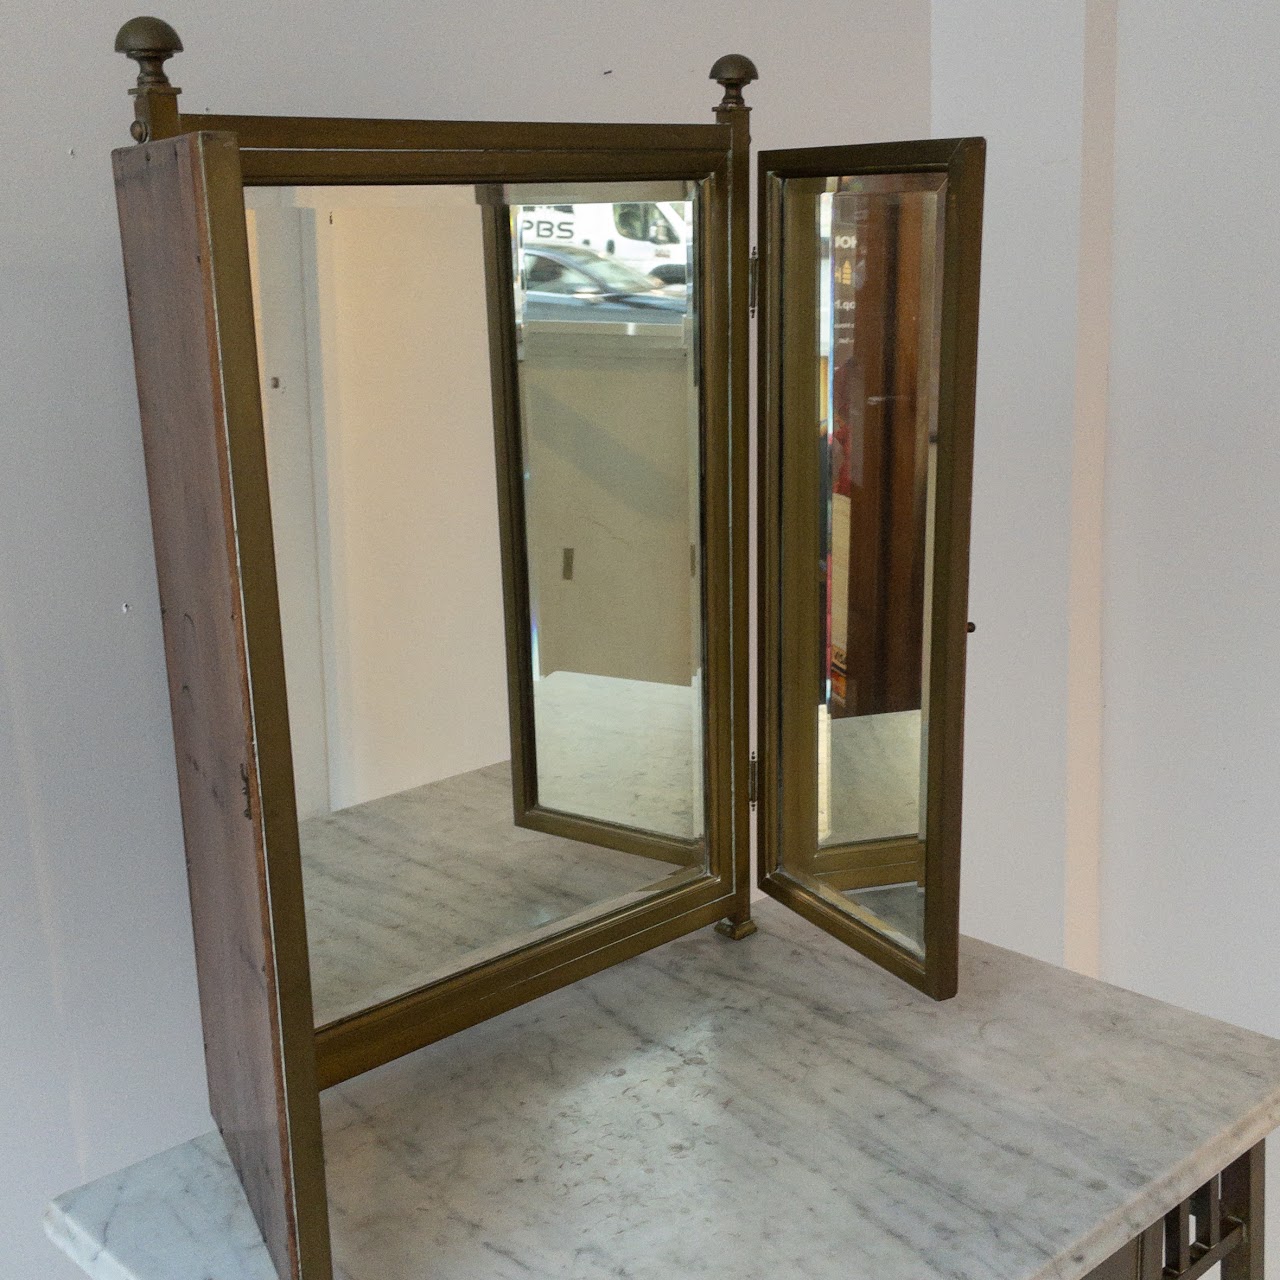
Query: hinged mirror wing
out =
(869, 314)
(599, 385)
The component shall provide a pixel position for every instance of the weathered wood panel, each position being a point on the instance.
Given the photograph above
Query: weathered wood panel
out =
(186, 265)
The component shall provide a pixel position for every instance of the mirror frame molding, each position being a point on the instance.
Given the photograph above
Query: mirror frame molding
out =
(786, 757)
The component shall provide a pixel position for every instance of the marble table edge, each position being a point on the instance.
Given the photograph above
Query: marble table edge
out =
(1143, 1209)
(1144, 1206)
(1148, 1205)
(87, 1253)
(1151, 1202)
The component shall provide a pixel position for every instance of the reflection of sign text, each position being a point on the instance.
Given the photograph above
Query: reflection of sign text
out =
(545, 229)
(845, 272)
(847, 269)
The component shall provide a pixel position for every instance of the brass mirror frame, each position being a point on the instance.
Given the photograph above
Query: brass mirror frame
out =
(787, 756)
(186, 248)
(287, 151)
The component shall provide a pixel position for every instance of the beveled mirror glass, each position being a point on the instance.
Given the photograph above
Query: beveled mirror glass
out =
(870, 417)
(491, 620)
(879, 291)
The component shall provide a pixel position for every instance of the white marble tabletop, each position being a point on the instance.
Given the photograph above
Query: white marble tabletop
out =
(772, 1108)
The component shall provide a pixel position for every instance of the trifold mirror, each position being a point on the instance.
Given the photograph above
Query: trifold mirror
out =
(446, 432)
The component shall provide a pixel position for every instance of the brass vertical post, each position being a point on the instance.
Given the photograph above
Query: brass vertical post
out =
(150, 43)
(733, 72)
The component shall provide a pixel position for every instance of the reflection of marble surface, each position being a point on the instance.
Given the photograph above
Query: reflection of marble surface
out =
(619, 750)
(875, 777)
(900, 906)
(776, 1108)
(400, 889)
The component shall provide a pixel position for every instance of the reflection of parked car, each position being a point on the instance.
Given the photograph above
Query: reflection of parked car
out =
(571, 283)
(651, 236)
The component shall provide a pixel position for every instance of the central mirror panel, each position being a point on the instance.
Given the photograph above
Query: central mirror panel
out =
(482, 413)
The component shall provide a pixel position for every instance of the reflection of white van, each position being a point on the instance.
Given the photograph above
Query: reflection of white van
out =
(650, 235)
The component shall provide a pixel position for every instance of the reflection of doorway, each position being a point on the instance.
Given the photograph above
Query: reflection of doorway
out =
(381, 462)
(879, 463)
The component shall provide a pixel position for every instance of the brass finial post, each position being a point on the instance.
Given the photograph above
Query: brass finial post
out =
(733, 72)
(151, 43)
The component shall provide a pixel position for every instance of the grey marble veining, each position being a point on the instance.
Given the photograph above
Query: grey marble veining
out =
(776, 1108)
(406, 888)
(179, 1215)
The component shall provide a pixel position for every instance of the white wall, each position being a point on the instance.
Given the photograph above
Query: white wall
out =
(1127, 496)
(410, 602)
(1014, 73)
(100, 1050)
(1192, 600)
(281, 248)
(620, 498)
(373, 338)
(1191, 620)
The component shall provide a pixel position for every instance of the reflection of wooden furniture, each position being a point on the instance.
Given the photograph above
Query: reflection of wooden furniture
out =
(882, 420)
(813, 1117)
(872, 810)
(870, 864)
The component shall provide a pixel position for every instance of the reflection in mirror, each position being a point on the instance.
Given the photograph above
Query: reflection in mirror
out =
(609, 439)
(879, 292)
(373, 341)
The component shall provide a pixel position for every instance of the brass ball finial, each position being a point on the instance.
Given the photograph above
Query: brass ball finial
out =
(150, 42)
(733, 71)
(148, 39)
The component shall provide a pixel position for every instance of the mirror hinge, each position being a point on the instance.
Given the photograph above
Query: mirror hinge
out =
(753, 280)
(753, 780)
